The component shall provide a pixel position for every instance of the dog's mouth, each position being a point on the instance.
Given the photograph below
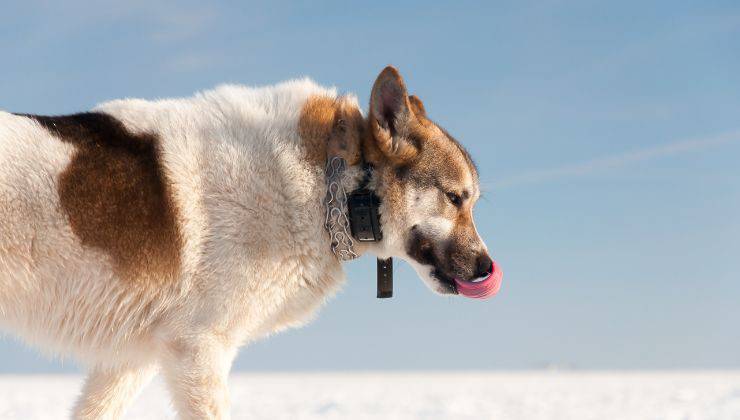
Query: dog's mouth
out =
(446, 282)
(480, 288)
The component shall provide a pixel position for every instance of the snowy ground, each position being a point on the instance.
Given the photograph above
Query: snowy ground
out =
(357, 396)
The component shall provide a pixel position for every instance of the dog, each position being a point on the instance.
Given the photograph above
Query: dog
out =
(147, 236)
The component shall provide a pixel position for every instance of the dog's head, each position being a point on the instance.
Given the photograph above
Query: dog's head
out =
(428, 185)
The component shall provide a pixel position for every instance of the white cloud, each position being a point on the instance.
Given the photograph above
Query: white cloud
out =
(616, 161)
(162, 21)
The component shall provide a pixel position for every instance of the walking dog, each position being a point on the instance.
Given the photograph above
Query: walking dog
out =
(162, 235)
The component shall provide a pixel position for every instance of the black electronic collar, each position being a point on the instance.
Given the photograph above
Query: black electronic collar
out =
(364, 219)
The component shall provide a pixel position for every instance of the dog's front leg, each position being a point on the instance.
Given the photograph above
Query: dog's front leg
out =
(107, 392)
(196, 370)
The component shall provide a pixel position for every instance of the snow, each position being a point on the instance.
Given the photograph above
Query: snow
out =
(528, 395)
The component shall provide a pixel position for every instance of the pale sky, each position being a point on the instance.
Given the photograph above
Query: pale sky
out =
(607, 137)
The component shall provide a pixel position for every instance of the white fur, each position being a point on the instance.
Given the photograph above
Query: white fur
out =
(256, 259)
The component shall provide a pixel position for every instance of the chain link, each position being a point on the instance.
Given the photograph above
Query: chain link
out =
(337, 221)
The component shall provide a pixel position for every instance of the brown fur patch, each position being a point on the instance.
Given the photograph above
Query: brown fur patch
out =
(401, 134)
(331, 125)
(116, 196)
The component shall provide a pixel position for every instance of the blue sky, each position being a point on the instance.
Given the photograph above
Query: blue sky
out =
(607, 137)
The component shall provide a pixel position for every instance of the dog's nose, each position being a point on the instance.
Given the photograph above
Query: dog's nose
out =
(484, 267)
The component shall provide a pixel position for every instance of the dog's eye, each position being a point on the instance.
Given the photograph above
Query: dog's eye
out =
(455, 199)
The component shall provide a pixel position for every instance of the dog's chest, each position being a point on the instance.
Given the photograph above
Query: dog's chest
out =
(264, 240)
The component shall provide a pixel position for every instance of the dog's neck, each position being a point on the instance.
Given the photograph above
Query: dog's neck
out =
(352, 216)
(351, 205)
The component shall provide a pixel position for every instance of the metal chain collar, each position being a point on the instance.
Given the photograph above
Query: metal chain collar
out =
(337, 221)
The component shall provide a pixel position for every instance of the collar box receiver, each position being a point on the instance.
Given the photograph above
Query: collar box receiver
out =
(363, 216)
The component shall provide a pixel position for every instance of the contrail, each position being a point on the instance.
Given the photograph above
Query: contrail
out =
(617, 161)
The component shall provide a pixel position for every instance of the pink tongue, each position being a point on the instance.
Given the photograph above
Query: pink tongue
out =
(484, 288)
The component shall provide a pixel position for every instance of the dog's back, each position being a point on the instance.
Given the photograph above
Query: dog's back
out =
(110, 217)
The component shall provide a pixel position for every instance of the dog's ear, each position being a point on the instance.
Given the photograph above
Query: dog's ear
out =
(417, 106)
(391, 117)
